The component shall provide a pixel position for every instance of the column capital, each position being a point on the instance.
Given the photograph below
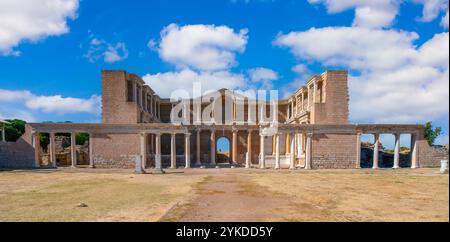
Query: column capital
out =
(309, 135)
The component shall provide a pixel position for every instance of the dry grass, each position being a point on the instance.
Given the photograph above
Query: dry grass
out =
(325, 195)
(406, 195)
(54, 196)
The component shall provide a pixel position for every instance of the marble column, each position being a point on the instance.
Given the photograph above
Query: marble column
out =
(213, 147)
(52, 150)
(277, 151)
(288, 144)
(376, 149)
(309, 98)
(73, 149)
(303, 101)
(159, 110)
(315, 92)
(187, 142)
(292, 109)
(158, 162)
(173, 151)
(143, 150)
(37, 149)
(300, 145)
(248, 163)
(234, 146)
(91, 151)
(262, 155)
(397, 152)
(199, 158)
(308, 162)
(358, 151)
(292, 154)
(414, 152)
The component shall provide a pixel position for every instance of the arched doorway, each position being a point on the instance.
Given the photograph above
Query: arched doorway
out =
(223, 150)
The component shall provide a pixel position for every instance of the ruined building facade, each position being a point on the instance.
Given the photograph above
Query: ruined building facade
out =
(312, 131)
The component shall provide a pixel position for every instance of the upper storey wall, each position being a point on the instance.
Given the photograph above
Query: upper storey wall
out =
(323, 100)
(336, 98)
(127, 100)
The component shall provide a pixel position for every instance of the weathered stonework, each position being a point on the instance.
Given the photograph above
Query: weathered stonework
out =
(313, 133)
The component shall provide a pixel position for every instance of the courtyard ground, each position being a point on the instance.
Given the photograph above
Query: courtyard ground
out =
(225, 195)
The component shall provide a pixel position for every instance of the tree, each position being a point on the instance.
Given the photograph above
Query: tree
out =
(431, 133)
(14, 129)
(81, 138)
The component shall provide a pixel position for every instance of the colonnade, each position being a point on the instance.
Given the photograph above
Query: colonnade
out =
(376, 151)
(52, 149)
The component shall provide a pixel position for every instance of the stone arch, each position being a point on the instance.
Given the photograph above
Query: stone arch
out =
(223, 147)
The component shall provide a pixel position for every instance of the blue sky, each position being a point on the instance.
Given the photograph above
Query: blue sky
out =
(52, 52)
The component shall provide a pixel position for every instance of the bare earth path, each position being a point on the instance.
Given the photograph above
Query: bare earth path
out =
(231, 198)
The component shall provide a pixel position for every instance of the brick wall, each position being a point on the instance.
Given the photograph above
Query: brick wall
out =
(115, 108)
(334, 151)
(115, 150)
(431, 156)
(336, 98)
(19, 154)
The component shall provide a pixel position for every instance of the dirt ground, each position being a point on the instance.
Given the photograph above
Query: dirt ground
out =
(225, 195)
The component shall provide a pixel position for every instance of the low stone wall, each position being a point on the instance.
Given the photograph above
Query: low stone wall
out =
(334, 151)
(432, 155)
(16, 155)
(115, 150)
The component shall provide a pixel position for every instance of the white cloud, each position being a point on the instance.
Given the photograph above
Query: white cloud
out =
(109, 53)
(381, 13)
(165, 83)
(397, 81)
(432, 8)
(64, 105)
(24, 20)
(13, 96)
(263, 76)
(444, 21)
(357, 48)
(115, 53)
(373, 14)
(48, 104)
(201, 47)
(300, 69)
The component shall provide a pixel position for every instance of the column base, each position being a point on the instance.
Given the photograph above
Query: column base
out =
(140, 172)
(158, 171)
(396, 168)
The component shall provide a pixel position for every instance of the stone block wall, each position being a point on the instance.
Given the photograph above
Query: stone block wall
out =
(115, 108)
(19, 154)
(334, 151)
(336, 98)
(115, 150)
(431, 156)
